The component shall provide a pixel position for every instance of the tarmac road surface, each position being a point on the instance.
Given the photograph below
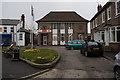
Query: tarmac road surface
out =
(73, 64)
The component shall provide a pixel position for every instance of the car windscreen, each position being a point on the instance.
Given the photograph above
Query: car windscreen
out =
(74, 42)
(80, 41)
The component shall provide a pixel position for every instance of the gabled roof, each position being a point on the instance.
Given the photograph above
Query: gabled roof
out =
(108, 3)
(9, 22)
(62, 16)
(23, 30)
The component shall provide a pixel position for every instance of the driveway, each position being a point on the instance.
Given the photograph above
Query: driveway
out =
(73, 64)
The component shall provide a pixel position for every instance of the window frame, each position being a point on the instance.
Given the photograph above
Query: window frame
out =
(11, 29)
(70, 26)
(70, 37)
(117, 7)
(62, 36)
(109, 13)
(96, 22)
(93, 23)
(54, 26)
(117, 30)
(4, 30)
(20, 36)
(103, 17)
(54, 37)
(62, 26)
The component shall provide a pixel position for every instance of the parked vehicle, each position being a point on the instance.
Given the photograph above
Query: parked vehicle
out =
(116, 66)
(92, 48)
(76, 44)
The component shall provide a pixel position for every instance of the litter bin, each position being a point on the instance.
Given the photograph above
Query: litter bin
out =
(16, 53)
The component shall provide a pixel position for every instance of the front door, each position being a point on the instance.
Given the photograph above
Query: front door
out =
(44, 40)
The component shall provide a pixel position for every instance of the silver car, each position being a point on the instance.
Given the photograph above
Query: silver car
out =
(116, 67)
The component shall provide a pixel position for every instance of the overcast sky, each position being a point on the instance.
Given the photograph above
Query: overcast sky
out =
(14, 10)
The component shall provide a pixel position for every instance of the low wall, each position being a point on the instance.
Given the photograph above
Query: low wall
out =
(115, 46)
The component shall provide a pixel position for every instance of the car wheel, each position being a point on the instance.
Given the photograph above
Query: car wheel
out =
(117, 73)
(82, 52)
(72, 48)
(86, 54)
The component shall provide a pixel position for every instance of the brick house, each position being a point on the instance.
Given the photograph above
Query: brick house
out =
(57, 28)
(105, 25)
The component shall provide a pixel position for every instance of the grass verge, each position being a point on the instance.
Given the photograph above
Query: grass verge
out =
(40, 56)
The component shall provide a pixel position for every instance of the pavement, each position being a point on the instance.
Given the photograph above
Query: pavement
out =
(109, 55)
(0, 64)
(16, 69)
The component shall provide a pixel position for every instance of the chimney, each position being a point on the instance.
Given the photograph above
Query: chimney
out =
(23, 20)
(99, 7)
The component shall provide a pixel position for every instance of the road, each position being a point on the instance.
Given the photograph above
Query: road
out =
(0, 62)
(15, 69)
(73, 64)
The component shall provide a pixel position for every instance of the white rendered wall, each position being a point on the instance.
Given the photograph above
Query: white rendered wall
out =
(20, 42)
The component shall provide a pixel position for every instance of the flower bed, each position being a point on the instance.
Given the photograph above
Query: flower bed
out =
(40, 56)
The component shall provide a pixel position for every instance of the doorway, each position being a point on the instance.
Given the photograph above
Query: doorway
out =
(44, 40)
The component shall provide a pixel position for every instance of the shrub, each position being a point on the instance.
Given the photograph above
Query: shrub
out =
(107, 48)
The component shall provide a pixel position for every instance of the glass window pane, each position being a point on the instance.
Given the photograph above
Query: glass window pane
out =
(20, 36)
(92, 43)
(62, 26)
(62, 37)
(118, 36)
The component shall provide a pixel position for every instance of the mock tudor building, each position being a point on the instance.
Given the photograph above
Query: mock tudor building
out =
(59, 27)
(105, 25)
